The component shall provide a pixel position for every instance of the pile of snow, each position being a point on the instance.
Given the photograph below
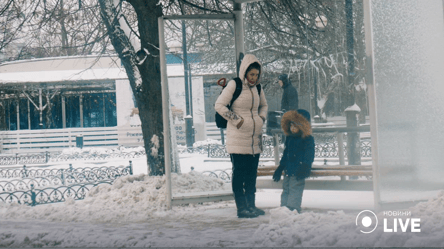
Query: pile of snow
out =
(129, 199)
(98, 153)
(102, 151)
(337, 229)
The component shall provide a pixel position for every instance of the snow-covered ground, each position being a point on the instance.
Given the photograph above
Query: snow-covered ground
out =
(132, 213)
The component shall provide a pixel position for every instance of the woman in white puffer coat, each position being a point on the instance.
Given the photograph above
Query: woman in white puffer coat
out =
(244, 133)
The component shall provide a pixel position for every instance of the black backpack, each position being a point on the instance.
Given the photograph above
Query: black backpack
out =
(220, 121)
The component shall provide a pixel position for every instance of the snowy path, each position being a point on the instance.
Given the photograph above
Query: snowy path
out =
(132, 213)
(191, 231)
(209, 225)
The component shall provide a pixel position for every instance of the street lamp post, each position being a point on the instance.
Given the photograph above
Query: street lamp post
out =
(188, 114)
(350, 41)
(321, 23)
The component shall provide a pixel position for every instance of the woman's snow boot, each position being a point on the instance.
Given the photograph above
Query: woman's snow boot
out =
(251, 199)
(242, 209)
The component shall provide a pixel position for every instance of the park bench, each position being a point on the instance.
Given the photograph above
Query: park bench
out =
(317, 180)
(318, 171)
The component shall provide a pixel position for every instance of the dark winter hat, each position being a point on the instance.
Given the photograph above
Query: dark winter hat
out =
(284, 78)
(304, 113)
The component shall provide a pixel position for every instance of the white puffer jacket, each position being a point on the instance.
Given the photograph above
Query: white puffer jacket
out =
(250, 107)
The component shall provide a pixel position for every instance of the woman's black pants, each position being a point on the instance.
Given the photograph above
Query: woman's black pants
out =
(244, 176)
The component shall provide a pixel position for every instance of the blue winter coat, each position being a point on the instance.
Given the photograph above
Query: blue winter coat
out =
(298, 156)
(299, 149)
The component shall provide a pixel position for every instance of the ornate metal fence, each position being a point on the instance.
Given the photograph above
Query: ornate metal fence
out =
(49, 195)
(37, 186)
(28, 183)
(65, 178)
(224, 175)
(70, 175)
(61, 157)
(24, 159)
(96, 156)
(325, 147)
(201, 149)
(330, 149)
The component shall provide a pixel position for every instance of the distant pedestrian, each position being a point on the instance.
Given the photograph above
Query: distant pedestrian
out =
(298, 157)
(244, 133)
(290, 96)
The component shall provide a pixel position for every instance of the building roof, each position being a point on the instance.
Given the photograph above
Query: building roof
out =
(69, 69)
(63, 75)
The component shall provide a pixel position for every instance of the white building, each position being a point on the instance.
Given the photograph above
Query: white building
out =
(45, 103)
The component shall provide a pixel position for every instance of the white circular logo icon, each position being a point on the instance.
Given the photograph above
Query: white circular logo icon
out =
(367, 221)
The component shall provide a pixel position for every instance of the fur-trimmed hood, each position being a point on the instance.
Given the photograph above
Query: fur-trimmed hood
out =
(300, 118)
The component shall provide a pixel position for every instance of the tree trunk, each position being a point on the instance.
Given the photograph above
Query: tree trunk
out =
(144, 78)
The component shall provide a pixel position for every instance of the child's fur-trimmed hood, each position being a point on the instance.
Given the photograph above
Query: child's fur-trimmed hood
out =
(295, 117)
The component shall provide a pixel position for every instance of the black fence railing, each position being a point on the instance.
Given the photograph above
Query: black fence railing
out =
(48, 195)
(37, 186)
(9, 185)
(331, 149)
(70, 174)
(323, 149)
(96, 156)
(24, 159)
(224, 175)
(42, 158)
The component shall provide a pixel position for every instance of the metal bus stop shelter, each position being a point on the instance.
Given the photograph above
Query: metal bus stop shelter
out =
(404, 172)
(239, 48)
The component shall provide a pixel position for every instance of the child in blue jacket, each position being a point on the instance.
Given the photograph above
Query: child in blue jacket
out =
(298, 157)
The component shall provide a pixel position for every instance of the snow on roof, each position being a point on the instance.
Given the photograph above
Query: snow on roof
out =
(63, 75)
(59, 58)
(76, 75)
(80, 68)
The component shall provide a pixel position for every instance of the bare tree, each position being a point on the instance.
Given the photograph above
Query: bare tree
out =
(305, 39)
(279, 32)
(48, 28)
(14, 15)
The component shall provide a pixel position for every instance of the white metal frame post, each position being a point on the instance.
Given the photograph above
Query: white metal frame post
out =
(165, 110)
(166, 106)
(372, 100)
(238, 33)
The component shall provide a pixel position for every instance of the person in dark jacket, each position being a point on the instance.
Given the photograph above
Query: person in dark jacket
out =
(290, 96)
(298, 157)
